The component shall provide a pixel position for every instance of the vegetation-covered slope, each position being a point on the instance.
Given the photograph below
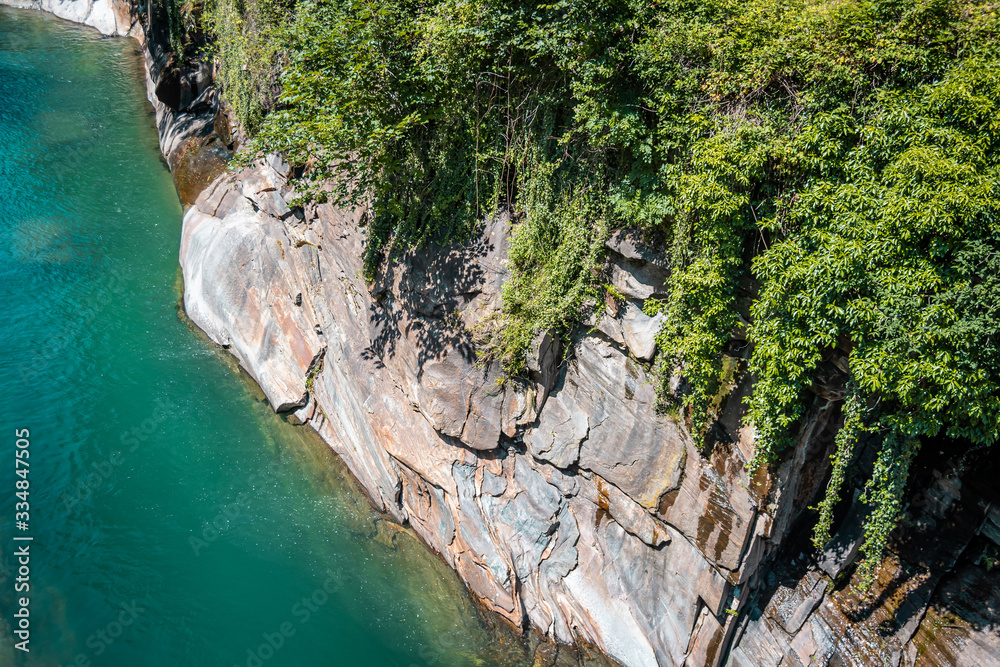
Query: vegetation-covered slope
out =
(835, 159)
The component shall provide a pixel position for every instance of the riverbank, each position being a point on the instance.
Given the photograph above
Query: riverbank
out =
(185, 102)
(160, 477)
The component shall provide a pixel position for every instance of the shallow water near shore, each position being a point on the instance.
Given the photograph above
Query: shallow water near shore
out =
(176, 520)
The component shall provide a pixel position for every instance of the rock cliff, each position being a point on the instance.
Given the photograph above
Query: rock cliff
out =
(562, 499)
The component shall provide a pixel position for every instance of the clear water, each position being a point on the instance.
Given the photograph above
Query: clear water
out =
(143, 434)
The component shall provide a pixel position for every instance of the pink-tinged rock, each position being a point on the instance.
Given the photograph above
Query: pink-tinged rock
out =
(606, 524)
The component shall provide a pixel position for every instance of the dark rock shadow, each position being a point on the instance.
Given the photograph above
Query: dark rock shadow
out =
(945, 508)
(419, 296)
(935, 575)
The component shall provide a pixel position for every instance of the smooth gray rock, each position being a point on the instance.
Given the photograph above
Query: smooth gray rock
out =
(845, 544)
(558, 435)
(627, 443)
(629, 245)
(110, 17)
(639, 280)
(639, 331)
(543, 359)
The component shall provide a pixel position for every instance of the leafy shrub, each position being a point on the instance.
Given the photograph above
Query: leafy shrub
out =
(246, 49)
(834, 159)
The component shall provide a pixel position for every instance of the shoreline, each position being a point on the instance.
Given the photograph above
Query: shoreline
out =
(177, 132)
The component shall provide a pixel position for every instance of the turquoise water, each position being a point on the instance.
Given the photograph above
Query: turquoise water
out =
(176, 520)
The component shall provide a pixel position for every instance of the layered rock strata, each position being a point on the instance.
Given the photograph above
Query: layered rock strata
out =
(564, 500)
(935, 600)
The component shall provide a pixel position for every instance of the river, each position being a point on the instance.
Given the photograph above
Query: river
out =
(175, 519)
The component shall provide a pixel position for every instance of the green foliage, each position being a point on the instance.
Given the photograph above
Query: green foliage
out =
(833, 163)
(714, 204)
(885, 492)
(552, 259)
(373, 104)
(438, 115)
(175, 26)
(246, 50)
(847, 438)
(180, 19)
(882, 256)
(876, 253)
